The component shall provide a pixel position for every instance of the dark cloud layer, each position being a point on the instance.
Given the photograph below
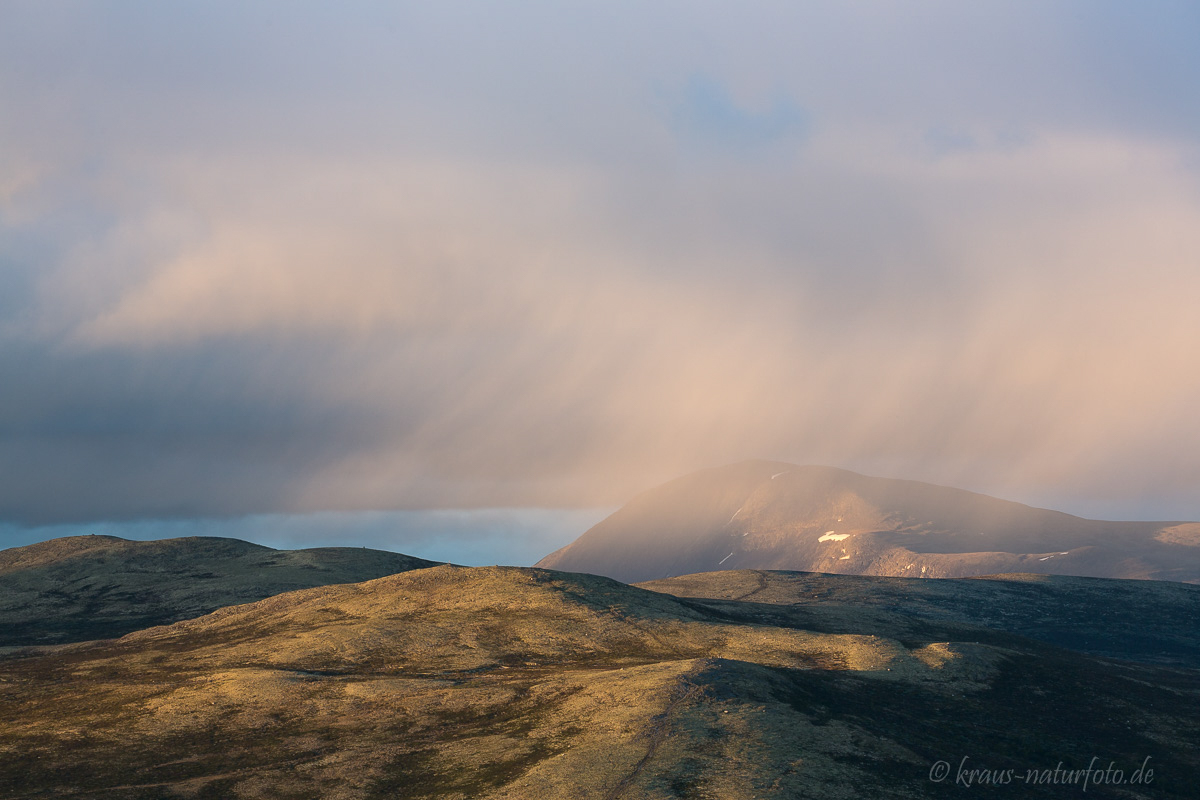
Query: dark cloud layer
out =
(285, 258)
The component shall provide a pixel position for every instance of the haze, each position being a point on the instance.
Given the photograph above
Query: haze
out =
(295, 257)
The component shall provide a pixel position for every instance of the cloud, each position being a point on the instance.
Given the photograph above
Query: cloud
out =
(496, 269)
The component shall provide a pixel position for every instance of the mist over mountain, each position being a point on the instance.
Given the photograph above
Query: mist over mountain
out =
(778, 516)
(96, 587)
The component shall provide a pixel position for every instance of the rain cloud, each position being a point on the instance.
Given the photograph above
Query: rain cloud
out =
(287, 259)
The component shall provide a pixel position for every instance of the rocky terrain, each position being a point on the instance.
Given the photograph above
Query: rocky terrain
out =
(452, 682)
(96, 587)
(771, 515)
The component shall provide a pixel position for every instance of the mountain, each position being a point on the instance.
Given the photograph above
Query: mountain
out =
(771, 515)
(494, 683)
(96, 587)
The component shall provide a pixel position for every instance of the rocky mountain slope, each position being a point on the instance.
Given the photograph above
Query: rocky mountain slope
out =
(493, 682)
(94, 587)
(771, 515)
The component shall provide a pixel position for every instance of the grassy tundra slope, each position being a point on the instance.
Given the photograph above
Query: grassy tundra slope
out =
(494, 682)
(96, 587)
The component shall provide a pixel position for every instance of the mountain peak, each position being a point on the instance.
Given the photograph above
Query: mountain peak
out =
(775, 515)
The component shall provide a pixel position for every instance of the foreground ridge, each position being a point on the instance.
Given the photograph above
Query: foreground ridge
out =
(508, 682)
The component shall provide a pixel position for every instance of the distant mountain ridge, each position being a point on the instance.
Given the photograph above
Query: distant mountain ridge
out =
(92, 587)
(774, 515)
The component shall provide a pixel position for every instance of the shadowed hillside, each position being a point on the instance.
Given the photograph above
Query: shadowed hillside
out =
(1148, 621)
(516, 683)
(93, 587)
(770, 515)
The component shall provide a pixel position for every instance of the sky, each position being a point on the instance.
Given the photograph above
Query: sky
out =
(315, 271)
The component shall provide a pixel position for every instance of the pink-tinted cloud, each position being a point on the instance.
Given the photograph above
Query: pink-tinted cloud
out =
(345, 292)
